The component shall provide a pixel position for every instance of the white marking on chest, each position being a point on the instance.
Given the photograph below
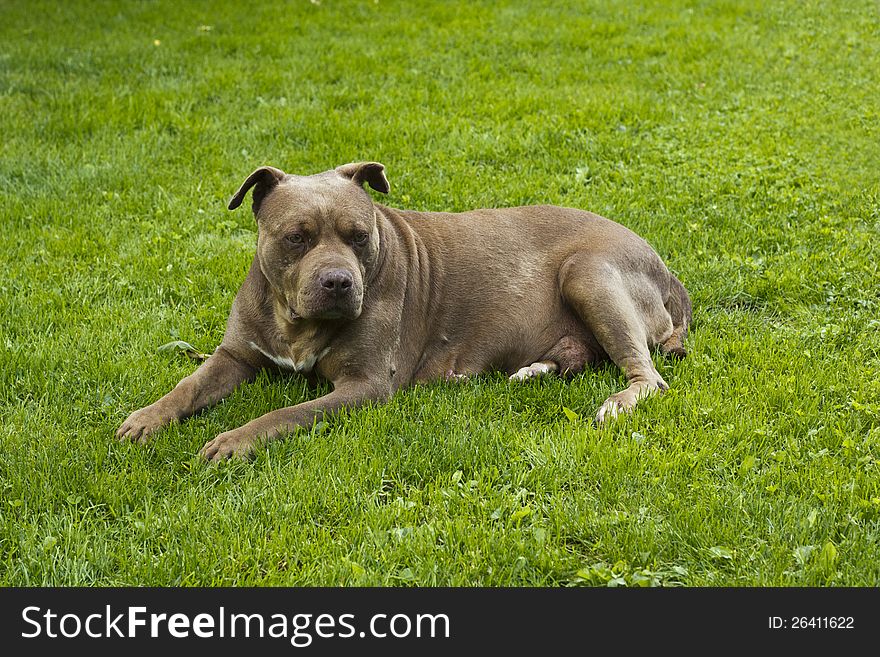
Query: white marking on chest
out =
(305, 365)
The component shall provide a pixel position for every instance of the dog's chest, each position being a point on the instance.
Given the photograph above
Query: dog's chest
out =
(297, 357)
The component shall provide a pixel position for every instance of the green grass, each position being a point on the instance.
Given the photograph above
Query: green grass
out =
(740, 141)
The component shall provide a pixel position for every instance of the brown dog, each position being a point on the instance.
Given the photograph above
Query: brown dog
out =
(373, 299)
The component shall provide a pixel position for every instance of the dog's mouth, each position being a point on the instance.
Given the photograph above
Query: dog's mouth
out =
(340, 311)
(335, 312)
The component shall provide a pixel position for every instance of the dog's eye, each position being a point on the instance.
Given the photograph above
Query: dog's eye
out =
(294, 238)
(360, 238)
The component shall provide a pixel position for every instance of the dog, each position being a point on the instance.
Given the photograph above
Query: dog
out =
(372, 299)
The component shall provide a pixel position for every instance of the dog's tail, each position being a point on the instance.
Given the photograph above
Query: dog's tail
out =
(678, 305)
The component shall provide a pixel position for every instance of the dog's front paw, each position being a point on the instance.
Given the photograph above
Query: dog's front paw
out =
(610, 409)
(142, 423)
(228, 444)
(625, 400)
(617, 404)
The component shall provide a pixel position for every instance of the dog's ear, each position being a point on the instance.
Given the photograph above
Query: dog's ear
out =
(372, 173)
(263, 180)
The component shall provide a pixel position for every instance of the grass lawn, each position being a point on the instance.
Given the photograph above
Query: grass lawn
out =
(742, 141)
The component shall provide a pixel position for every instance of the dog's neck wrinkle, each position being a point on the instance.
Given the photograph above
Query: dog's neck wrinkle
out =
(384, 237)
(425, 273)
(421, 276)
(406, 243)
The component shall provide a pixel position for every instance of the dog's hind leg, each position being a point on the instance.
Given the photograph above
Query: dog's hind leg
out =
(567, 357)
(626, 315)
(539, 368)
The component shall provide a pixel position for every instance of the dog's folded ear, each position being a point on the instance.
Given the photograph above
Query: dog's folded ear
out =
(263, 180)
(371, 173)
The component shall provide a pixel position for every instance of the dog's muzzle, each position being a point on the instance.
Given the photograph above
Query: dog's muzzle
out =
(336, 283)
(333, 294)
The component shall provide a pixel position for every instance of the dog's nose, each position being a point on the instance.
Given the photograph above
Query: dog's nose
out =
(336, 281)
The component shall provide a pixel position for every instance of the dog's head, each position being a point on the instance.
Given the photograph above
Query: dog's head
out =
(317, 236)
